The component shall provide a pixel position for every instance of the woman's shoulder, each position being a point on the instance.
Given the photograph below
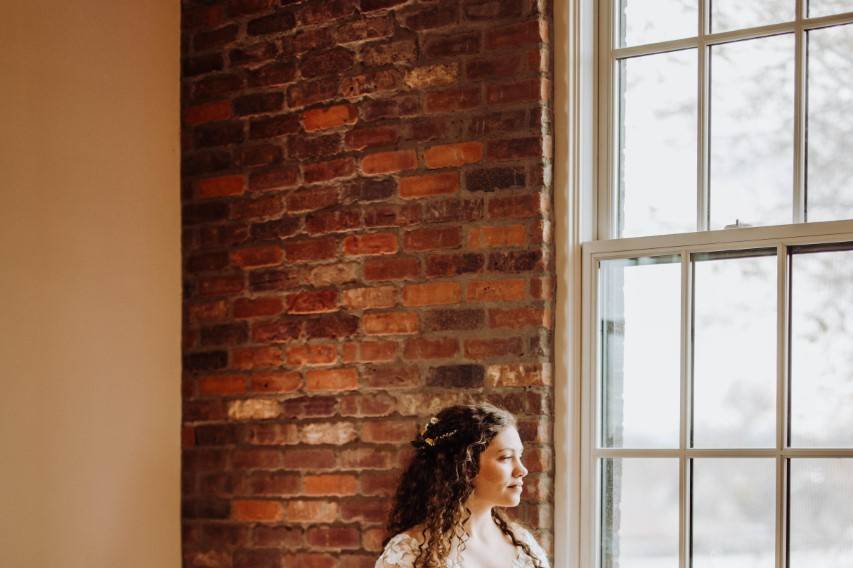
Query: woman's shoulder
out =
(522, 533)
(400, 551)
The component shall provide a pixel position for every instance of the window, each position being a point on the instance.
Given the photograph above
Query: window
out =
(721, 114)
(717, 346)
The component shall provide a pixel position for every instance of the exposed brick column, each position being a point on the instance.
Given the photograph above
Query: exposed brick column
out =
(367, 221)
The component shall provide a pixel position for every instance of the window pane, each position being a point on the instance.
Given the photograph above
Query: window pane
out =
(657, 144)
(733, 513)
(734, 352)
(829, 192)
(639, 513)
(651, 21)
(640, 323)
(821, 519)
(752, 114)
(819, 8)
(729, 15)
(822, 349)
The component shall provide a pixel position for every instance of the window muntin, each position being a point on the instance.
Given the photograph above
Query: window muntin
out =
(767, 116)
(762, 511)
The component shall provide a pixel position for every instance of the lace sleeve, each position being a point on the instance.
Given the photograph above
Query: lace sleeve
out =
(535, 548)
(400, 552)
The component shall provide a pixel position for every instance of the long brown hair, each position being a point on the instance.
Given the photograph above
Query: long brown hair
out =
(439, 479)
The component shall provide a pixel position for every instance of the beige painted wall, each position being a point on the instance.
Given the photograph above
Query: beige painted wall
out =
(89, 284)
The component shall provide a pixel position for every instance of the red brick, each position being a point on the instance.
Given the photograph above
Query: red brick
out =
(276, 382)
(365, 298)
(517, 148)
(388, 431)
(274, 484)
(377, 351)
(521, 91)
(330, 484)
(454, 264)
(309, 560)
(274, 23)
(390, 323)
(362, 138)
(207, 112)
(309, 92)
(220, 285)
(518, 375)
(454, 44)
(431, 348)
(390, 377)
(310, 250)
(500, 347)
(267, 206)
(396, 268)
(517, 206)
(277, 178)
(326, 11)
(389, 162)
(501, 67)
(517, 35)
(335, 61)
(433, 238)
(335, 325)
(449, 100)
(368, 28)
(405, 105)
(314, 406)
(496, 290)
(214, 310)
(433, 293)
(331, 380)
(312, 354)
(254, 458)
(253, 257)
(256, 357)
(332, 221)
(256, 511)
(309, 459)
(254, 307)
(311, 512)
(429, 185)
(310, 199)
(366, 458)
(400, 52)
(273, 126)
(329, 117)
(369, 82)
(258, 103)
(517, 317)
(222, 186)
(331, 169)
(258, 155)
(313, 302)
(497, 236)
(202, 16)
(280, 331)
(221, 385)
(371, 244)
(452, 155)
(333, 537)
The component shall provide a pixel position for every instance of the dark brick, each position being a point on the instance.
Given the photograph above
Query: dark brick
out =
(267, 206)
(434, 17)
(498, 123)
(476, 10)
(325, 11)
(205, 508)
(360, 30)
(441, 211)
(454, 264)
(205, 40)
(330, 221)
(206, 162)
(494, 178)
(205, 361)
(210, 212)
(517, 148)
(515, 261)
(215, 435)
(256, 53)
(273, 126)
(272, 74)
(400, 52)
(258, 558)
(284, 176)
(332, 326)
(201, 64)
(215, 86)
(258, 155)
(453, 320)
(370, 82)
(272, 24)
(278, 229)
(300, 146)
(225, 334)
(309, 92)
(367, 5)
(243, 7)
(309, 406)
(276, 331)
(389, 108)
(258, 103)
(218, 134)
(456, 376)
(328, 62)
(369, 189)
(452, 44)
(207, 261)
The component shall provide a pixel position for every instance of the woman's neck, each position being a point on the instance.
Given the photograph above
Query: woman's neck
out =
(481, 523)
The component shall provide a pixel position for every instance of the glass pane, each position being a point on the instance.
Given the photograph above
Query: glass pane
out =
(734, 352)
(734, 513)
(729, 15)
(821, 519)
(639, 513)
(822, 349)
(819, 8)
(640, 323)
(651, 21)
(752, 133)
(657, 144)
(829, 183)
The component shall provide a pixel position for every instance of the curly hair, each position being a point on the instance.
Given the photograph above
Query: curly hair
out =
(439, 480)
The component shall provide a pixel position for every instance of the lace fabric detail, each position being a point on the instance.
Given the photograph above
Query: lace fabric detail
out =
(402, 549)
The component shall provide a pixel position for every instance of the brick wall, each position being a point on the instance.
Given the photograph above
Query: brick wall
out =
(366, 210)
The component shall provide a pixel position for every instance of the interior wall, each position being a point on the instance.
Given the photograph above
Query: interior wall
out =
(90, 286)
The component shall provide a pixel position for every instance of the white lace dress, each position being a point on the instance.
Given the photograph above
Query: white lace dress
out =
(402, 549)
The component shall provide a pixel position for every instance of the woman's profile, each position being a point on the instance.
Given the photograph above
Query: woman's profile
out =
(448, 510)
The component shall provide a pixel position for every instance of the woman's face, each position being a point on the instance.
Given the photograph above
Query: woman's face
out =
(499, 482)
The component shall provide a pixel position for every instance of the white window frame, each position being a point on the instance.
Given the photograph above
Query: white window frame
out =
(582, 179)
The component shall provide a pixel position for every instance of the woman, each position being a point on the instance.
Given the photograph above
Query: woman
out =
(448, 511)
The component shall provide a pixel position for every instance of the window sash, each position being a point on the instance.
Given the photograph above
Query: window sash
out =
(784, 239)
(608, 123)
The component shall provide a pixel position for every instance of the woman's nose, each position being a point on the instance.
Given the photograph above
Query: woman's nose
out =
(520, 470)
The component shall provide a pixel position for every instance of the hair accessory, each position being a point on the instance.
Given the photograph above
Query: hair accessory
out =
(433, 440)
